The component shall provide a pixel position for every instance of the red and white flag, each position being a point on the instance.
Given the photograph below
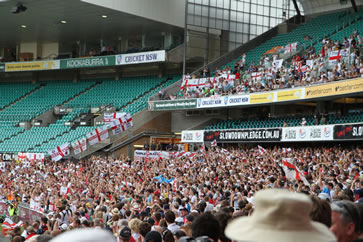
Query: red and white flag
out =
(213, 143)
(121, 124)
(334, 56)
(59, 152)
(108, 117)
(97, 135)
(290, 47)
(79, 145)
(261, 150)
(202, 148)
(292, 172)
(8, 226)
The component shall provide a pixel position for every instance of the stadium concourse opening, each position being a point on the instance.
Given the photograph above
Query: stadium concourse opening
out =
(228, 120)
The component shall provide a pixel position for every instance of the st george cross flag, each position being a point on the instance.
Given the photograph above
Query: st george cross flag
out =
(8, 226)
(79, 146)
(35, 156)
(261, 150)
(109, 117)
(292, 172)
(97, 135)
(290, 47)
(121, 124)
(334, 56)
(59, 152)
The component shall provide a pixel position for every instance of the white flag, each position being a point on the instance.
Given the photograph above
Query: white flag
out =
(109, 117)
(121, 124)
(97, 135)
(60, 152)
(79, 146)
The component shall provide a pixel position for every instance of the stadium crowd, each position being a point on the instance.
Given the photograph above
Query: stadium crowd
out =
(196, 195)
(304, 69)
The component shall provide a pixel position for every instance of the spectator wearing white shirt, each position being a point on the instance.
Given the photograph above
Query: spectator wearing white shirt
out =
(170, 220)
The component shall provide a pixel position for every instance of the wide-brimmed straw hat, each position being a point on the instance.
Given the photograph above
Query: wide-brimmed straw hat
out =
(279, 215)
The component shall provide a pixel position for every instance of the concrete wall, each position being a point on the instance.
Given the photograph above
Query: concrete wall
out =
(49, 50)
(165, 11)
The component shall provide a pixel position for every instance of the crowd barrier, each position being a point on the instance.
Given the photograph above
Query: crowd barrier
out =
(25, 213)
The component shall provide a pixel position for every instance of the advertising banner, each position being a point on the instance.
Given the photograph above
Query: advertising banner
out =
(338, 88)
(138, 58)
(273, 134)
(201, 82)
(219, 101)
(262, 98)
(32, 66)
(98, 61)
(308, 133)
(289, 95)
(348, 131)
(173, 104)
(192, 136)
(7, 156)
(2, 67)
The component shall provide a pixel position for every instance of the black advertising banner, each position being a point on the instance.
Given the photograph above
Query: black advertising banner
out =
(242, 135)
(350, 131)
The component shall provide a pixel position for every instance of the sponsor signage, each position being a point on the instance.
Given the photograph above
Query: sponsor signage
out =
(348, 131)
(2, 67)
(262, 98)
(192, 136)
(8, 156)
(138, 58)
(243, 135)
(308, 133)
(219, 101)
(289, 95)
(338, 88)
(152, 154)
(88, 62)
(32, 66)
(173, 104)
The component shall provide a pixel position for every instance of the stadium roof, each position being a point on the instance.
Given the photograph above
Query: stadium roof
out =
(84, 21)
(318, 6)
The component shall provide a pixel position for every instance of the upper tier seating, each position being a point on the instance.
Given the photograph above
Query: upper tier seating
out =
(279, 121)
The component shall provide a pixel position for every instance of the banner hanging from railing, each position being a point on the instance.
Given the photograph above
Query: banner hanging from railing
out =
(59, 152)
(98, 135)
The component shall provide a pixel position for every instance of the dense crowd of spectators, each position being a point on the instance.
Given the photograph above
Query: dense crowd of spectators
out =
(304, 69)
(184, 196)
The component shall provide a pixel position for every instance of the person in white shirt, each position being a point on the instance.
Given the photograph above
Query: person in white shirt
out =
(170, 220)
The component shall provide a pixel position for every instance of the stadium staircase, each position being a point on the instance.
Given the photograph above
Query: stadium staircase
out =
(9, 94)
(97, 95)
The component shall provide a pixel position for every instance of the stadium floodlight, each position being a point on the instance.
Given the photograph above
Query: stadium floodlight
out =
(19, 8)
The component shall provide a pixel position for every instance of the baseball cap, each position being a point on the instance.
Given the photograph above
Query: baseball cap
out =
(125, 233)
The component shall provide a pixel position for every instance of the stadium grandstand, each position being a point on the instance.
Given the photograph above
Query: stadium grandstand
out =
(181, 120)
